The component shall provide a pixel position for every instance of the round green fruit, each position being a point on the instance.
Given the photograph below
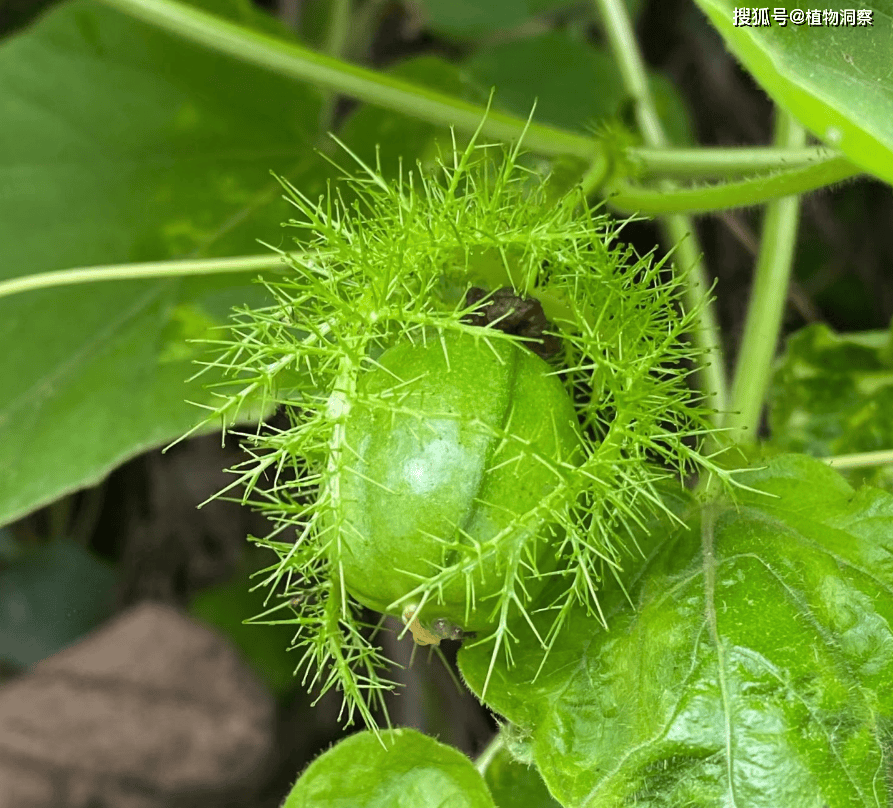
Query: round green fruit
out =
(451, 445)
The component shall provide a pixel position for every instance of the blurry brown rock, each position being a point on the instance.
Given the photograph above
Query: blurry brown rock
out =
(151, 711)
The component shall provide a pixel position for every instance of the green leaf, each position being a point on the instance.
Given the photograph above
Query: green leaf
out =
(120, 143)
(835, 80)
(516, 785)
(753, 671)
(409, 770)
(831, 394)
(50, 597)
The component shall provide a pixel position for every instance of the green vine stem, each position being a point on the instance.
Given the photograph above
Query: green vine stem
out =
(142, 271)
(860, 460)
(292, 60)
(490, 752)
(338, 76)
(657, 201)
(767, 299)
(722, 162)
(336, 41)
(678, 230)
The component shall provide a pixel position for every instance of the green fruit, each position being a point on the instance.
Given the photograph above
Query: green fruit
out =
(449, 445)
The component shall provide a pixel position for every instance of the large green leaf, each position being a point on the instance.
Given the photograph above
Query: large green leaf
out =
(835, 80)
(754, 670)
(120, 143)
(404, 769)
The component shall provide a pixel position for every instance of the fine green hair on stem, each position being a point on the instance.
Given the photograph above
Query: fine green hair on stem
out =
(390, 263)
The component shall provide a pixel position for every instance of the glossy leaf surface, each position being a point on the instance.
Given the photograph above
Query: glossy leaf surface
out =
(835, 79)
(410, 770)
